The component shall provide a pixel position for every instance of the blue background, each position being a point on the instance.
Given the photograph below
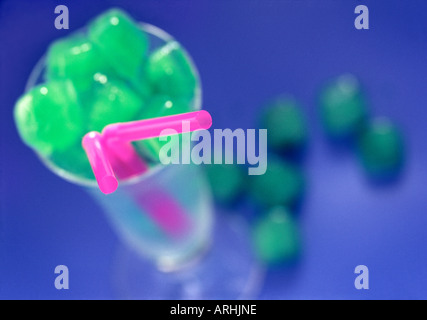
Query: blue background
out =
(247, 52)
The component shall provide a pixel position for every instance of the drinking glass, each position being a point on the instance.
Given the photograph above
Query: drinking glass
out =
(172, 247)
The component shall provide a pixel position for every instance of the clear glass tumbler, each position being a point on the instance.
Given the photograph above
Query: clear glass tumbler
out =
(165, 216)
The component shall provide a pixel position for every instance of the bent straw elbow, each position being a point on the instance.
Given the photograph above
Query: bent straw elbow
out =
(99, 162)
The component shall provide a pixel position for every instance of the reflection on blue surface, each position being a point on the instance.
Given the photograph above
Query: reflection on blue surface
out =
(246, 52)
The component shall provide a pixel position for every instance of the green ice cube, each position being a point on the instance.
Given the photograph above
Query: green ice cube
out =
(342, 107)
(381, 148)
(226, 180)
(281, 184)
(160, 106)
(142, 86)
(163, 105)
(170, 72)
(275, 237)
(285, 124)
(77, 59)
(121, 41)
(110, 101)
(73, 160)
(49, 118)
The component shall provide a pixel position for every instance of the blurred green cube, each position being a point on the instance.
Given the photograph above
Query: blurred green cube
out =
(343, 108)
(381, 148)
(281, 184)
(120, 41)
(170, 72)
(77, 59)
(276, 237)
(49, 118)
(285, 124)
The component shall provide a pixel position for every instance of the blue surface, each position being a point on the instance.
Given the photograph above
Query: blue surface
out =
(246, 52)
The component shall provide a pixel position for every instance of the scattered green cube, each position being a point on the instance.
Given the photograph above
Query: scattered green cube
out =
(285, 124)
(342, 107)
(281, 184)
(381, 148)
(227, 182)
(275, 237)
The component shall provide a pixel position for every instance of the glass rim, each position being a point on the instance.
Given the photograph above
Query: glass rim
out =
(71, 177)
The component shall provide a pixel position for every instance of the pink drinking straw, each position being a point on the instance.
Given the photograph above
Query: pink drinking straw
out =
(113, 146)
(124, 160)
(101, 166)
(164, 211)
(152, 128)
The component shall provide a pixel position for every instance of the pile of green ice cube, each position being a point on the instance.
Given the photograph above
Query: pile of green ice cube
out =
(108, 73)
(279, 191)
